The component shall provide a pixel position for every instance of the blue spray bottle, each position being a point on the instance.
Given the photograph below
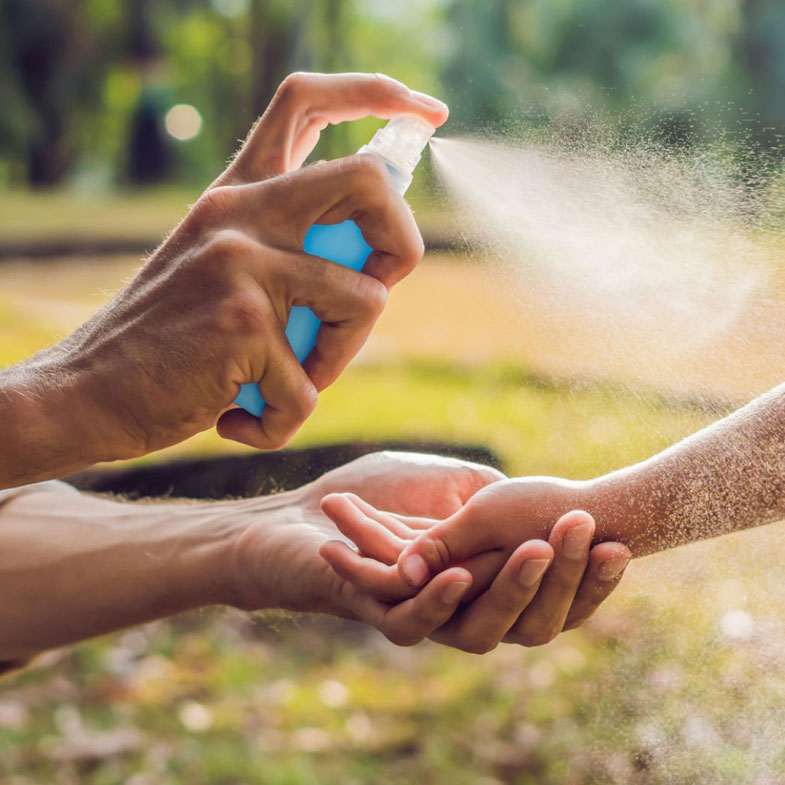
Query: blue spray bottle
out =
(399, 144)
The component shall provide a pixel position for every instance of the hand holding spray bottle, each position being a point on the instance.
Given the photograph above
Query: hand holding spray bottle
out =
(399, 144)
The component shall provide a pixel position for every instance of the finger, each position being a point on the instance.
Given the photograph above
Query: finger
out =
(480, 525)
(607, 563)
(416, 525)
(485, 622)
(383, 581)
(571, 539)
(348, 304)
(393, 522)
(447, 542)
(307, 103)
(372, 537)
(407, 527)
(374, 578)
(411, 621)
(357, 188)
(345, 326)
(290, 397)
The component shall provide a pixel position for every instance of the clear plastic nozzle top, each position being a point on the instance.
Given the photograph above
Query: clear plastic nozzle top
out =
(400, 144)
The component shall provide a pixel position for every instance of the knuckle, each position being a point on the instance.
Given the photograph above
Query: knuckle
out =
(409, 258)
(538, 637)
(276, 442)
(479, 646)
(242, 312)
(213, 203)
(415, 251)
(225, 247)
(402, 637)
(437, 551)
(578, 620)
(366, 170)
(476, 477)
(372, 293)
(391, 87)
(304, 400)
(293, 84)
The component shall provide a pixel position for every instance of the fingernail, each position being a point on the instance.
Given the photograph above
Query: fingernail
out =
(577, 541)
(415, 569)
(532, 570)
(453, 592)
(429, 100)
(611, 569)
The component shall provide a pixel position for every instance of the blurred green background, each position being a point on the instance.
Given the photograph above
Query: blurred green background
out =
(86, 86)
(112, 116)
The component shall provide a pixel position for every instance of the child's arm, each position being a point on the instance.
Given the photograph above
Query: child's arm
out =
(729, 476)
(726, 477)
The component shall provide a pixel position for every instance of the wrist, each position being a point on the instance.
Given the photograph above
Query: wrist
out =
(613, 501)
(45, 427)
(273, 558)
(195, 555)
(257, 561)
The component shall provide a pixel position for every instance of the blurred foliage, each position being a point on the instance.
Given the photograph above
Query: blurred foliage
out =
(75, 73)
(215, 699)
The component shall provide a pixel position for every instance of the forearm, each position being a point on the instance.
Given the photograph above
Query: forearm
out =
(74, 566)
(726, 477)
(46, 428)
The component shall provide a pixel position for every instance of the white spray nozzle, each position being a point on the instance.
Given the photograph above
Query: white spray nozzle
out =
(400, 144)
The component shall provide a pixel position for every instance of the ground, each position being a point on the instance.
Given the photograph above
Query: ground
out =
(680, 679)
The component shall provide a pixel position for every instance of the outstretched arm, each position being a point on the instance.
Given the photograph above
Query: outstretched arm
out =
(729, 476)
(73, 565)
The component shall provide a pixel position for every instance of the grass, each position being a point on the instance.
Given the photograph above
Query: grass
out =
(660, 688)
(133, 214)
(130, 215)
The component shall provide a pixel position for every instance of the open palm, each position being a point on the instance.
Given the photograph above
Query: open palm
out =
(281, 564)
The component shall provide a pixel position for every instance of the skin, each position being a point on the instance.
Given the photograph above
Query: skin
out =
(524, 594)
(726, 477)
(108, 564)
(165, 358)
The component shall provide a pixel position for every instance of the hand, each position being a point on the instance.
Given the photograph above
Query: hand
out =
(106, 564)
(485, 537)
(166, 357)
(278, 564)
(74, 565)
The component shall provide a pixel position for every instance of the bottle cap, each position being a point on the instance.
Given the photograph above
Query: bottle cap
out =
(400, 144)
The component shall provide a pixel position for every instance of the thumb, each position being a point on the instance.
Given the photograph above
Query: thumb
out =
(449, 542)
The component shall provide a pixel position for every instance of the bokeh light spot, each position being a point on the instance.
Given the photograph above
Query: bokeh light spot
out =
(230, 8)
(195, 716)
(737, 624)
(183, 122)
